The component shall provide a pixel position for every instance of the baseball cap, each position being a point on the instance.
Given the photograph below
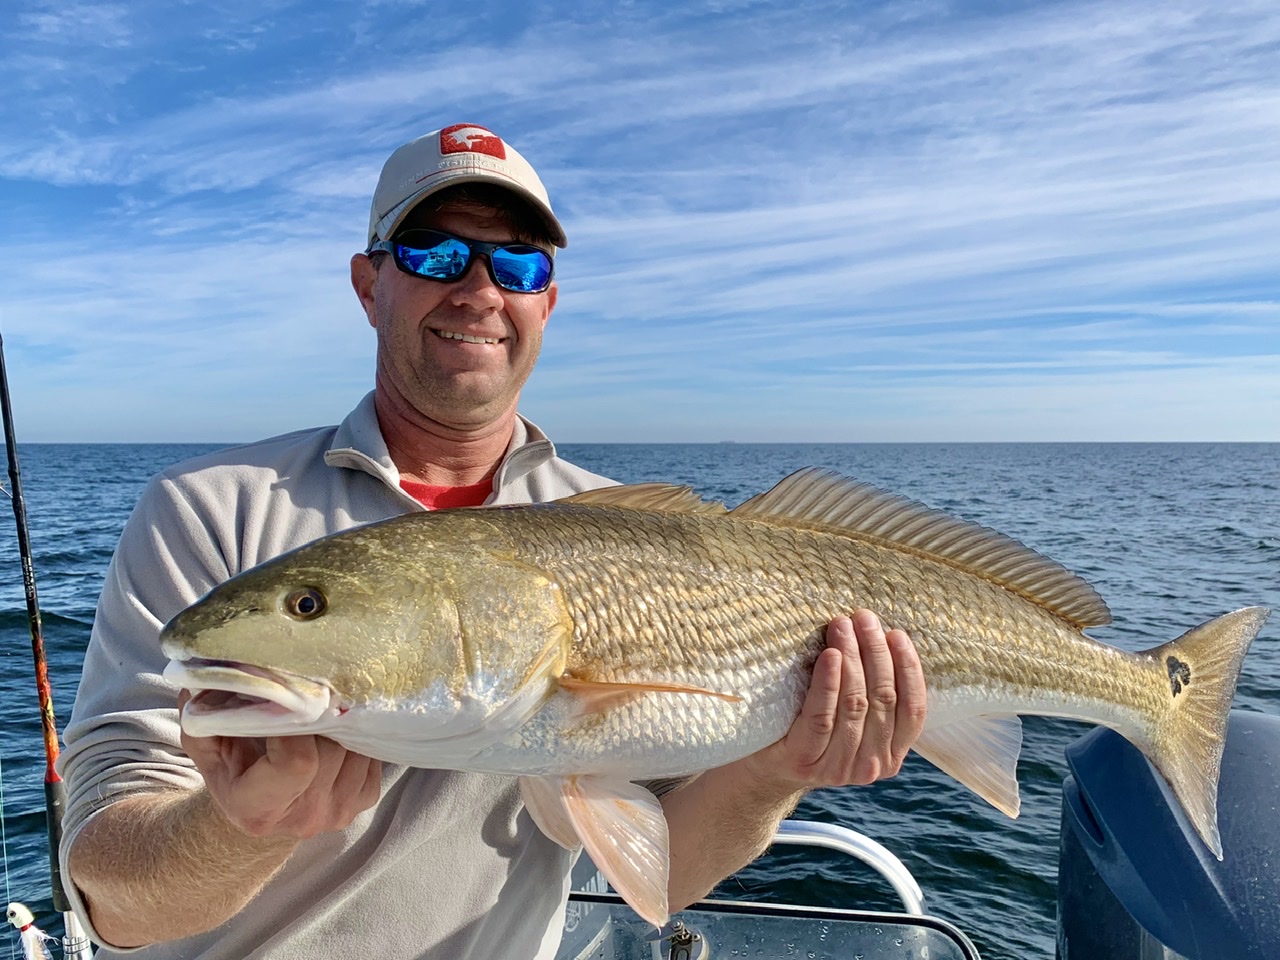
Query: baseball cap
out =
(461, 153)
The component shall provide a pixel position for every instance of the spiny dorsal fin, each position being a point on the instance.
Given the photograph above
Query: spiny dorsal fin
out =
(825, 500)
(660, 497)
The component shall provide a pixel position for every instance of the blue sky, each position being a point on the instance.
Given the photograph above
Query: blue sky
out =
(788, 221)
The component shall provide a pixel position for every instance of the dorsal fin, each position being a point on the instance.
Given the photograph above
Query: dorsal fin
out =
(660, 497)
(821, 499)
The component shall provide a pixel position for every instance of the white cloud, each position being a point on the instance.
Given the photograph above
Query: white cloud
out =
(73, 24)
(984, 218)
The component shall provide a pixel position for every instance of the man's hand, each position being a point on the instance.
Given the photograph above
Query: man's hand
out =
(285, 786)
(864, 709)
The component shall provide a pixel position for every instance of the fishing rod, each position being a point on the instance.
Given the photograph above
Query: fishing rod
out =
(75, 943)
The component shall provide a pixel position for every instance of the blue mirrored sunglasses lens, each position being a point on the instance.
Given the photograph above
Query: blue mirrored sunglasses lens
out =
(521, 269)
(438, 256)
(446, 260)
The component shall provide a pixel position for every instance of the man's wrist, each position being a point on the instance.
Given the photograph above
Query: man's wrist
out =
(761, 781)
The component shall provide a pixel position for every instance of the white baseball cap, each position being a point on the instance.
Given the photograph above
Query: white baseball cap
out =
(461, 153)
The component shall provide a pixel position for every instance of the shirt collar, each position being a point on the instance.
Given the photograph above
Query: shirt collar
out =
(358, 444)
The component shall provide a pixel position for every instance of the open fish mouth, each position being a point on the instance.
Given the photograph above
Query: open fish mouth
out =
(238, 699)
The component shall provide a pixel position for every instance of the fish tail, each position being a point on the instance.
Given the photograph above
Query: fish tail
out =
(1200, 669)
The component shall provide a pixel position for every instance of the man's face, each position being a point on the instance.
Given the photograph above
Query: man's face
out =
(422, 359)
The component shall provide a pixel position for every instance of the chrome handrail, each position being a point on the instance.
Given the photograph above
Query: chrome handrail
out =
(807, 833)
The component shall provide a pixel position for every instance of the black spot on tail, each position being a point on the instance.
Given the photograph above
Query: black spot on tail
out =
(1179, 674)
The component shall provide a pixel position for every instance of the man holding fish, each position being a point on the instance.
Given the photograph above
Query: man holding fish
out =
(294, 846)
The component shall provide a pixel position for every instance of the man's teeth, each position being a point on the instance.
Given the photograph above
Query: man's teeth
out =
(448, 335)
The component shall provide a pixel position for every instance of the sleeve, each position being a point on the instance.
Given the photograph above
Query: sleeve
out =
(123, 736)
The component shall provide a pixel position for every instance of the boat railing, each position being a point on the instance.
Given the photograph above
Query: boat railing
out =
(600, 926)
(812, 833)
(831, 836)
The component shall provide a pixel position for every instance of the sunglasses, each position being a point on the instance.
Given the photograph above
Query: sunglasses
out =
(517, 267)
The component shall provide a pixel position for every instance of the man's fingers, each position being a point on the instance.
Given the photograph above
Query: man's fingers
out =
(283, 773)
(371, 793)
(358, 783)
(811, 734)
(293, 757)
(912, 697)
(879, 694)
(851, 704)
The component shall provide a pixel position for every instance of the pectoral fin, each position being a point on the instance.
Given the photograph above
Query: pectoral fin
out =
(620, 824)
(597, 696)
(982, 753)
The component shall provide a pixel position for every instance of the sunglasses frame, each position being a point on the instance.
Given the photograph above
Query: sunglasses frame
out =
(482, 248)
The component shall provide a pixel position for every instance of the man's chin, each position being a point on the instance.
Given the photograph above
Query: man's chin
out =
(468, 404)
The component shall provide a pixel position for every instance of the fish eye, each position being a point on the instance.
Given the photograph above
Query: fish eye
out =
(306, 603)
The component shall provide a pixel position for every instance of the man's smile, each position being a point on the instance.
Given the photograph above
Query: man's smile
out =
(465, 337)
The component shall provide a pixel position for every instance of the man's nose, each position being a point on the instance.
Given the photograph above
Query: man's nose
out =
(476, 288)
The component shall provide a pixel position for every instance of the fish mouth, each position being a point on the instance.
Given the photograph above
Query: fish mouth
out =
(238, 699)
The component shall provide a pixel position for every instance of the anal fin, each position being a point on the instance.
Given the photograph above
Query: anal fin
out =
(980, 752)
(545, 802)
(620, 824)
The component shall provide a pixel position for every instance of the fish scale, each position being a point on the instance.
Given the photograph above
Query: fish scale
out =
(747, 596)
(766, 604)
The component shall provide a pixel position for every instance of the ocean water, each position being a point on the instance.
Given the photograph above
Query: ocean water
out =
(1170, 534)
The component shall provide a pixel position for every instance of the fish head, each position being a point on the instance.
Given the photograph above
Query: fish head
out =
(376, 636)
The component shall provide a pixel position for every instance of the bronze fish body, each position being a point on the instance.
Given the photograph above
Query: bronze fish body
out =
(639, 632)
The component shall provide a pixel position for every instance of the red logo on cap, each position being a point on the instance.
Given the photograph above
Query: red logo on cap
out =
(468, 138)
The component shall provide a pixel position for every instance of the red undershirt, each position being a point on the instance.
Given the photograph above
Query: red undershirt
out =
(438, 498)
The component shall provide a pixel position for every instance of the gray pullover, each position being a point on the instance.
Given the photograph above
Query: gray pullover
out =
(447, 864)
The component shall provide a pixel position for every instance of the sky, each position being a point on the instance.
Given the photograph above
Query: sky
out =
(788, 221)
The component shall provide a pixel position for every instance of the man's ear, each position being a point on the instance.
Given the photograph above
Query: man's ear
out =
(363, 277)
(553, 292)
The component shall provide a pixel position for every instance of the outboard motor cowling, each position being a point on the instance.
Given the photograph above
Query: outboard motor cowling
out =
(1136, 882)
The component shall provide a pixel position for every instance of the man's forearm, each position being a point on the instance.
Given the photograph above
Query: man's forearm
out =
(168, 865)
(718, 824)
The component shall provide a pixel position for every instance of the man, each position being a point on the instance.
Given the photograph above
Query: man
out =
(295, 847)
